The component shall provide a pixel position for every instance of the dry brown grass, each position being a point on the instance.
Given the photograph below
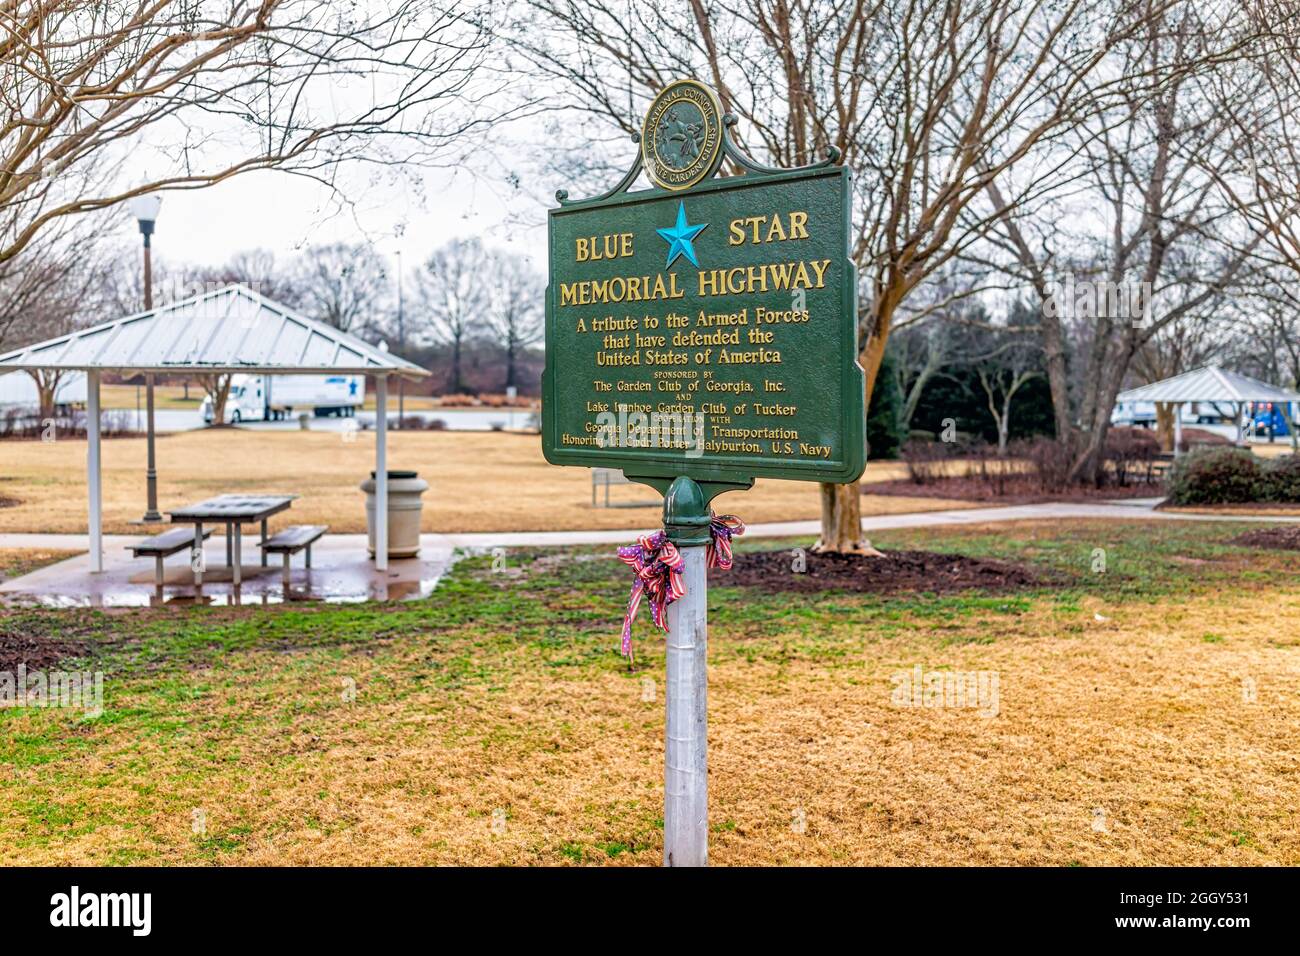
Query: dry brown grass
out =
(1276, 450)
(164, 397)
(15, 562)
(480, 481)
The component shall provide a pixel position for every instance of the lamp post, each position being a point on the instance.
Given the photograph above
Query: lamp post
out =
(145, 209)
(401, 342)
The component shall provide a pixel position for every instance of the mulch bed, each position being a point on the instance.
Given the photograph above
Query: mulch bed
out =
(918, 571)
(1020, 493)
(1280, 539)
(38, 653)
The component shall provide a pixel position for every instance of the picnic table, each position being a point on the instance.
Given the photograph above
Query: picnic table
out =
(234, 511)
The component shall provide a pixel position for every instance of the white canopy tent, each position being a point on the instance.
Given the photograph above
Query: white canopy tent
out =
(230, 330)
(1211, 384)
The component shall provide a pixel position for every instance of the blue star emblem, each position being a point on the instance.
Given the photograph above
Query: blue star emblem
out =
(680, 236)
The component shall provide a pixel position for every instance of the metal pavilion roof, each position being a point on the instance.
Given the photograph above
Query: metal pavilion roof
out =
(229, 330)
(1209, 384)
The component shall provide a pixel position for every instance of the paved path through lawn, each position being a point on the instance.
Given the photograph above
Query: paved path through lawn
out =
(1125, 510)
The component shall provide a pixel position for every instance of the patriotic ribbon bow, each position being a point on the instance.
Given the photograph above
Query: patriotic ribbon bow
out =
(657, 564)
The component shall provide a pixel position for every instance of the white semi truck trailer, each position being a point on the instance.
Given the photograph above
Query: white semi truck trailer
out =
(264, 398)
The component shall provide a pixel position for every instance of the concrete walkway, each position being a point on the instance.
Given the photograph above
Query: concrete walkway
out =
(1124, 510)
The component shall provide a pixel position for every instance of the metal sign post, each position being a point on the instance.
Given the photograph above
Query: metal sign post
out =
(701, 334)
(686, 684)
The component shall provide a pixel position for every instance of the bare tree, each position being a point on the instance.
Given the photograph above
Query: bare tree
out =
(1163, 246)
(343, 284)
(51, 277)
(1261, 97)
(929, 102)
(255, 268)
(213, 90)
(1266, 338)
(453, 300)
(922, 352)
(515, 309)
(55, 287)
(1012, 363)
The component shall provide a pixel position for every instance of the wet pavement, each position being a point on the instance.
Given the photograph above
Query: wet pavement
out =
(453, 419)
(342, 572)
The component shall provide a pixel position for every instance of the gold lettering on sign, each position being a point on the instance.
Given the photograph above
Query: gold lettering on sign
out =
(772, 276)
(758, 229)
(597, 248)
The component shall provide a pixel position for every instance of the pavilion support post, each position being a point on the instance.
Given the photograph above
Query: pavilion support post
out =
(1241, 410)
(381, 472)
(1178, 428)
(151, 514)
(93, 473)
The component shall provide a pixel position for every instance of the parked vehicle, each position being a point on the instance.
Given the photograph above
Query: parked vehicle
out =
(18, 391)
(1139, 414)
(1143, 414)
(1268, 420)
(258, 398)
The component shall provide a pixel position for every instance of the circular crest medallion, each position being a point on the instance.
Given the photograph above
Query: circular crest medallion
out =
(681, 142)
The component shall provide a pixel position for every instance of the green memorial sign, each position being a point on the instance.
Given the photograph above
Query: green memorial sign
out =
(707, 327)
(699, 335)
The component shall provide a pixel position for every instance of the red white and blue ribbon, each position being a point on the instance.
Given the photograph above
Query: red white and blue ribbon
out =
(657, 564)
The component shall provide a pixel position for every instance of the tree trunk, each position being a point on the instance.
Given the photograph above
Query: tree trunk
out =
(842, 521)
(1165, 425)
(47, 384)
(217, 388)
(457, 384)
(511, 349)
(1090, 461)
(842, 504)
(1053, 339)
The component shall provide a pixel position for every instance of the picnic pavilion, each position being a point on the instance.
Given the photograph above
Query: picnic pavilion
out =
(1212, 385)
(230, 330)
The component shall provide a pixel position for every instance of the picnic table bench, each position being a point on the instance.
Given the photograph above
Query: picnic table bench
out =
(290, 541)
(164, 546)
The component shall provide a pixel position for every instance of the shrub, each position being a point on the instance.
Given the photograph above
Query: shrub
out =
(1050, 461)
(924, 459)
(1282, 479)
(1211, 476)
(1202, 438)
(418, 423)
(1130, 452)
(992, 470)
(459, 400)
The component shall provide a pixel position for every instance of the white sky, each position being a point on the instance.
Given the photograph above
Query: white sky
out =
(283, 212)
